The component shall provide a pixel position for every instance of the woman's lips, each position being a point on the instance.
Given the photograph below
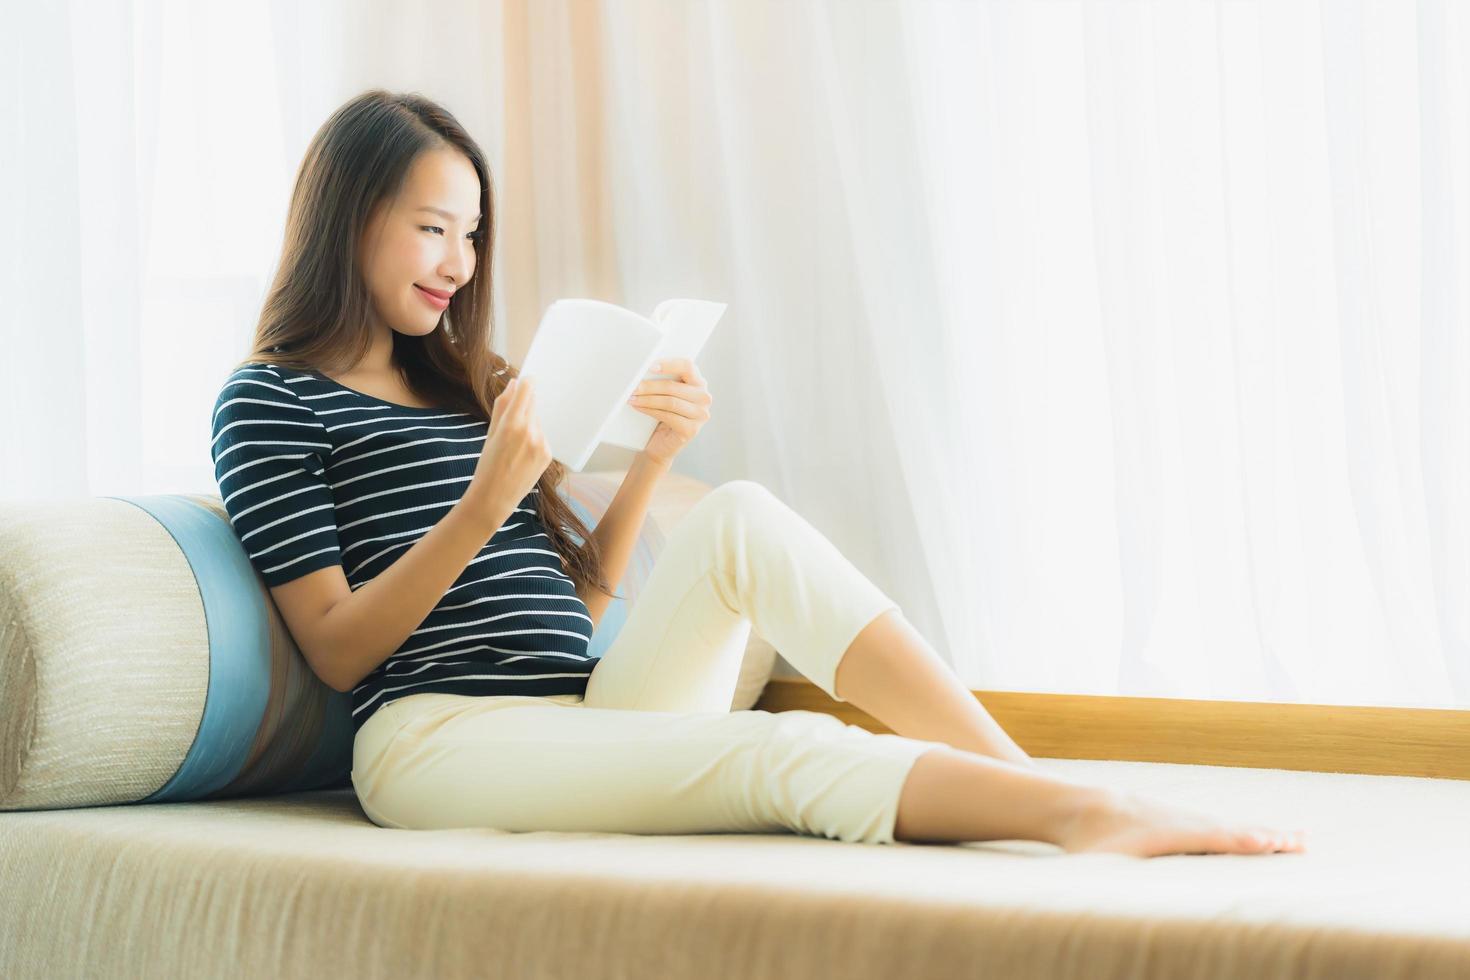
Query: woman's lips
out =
(430, 298)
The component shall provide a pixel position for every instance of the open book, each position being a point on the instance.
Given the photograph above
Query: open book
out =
(587, 358)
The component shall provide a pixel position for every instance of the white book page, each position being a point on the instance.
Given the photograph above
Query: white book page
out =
(687, 325)
(586, 358)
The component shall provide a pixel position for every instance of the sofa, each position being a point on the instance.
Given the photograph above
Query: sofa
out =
(175, 802)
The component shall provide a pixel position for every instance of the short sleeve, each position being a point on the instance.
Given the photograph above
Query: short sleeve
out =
(269, 450)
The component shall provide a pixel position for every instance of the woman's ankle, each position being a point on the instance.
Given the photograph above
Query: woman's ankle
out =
(1085, 808)
(953, 795)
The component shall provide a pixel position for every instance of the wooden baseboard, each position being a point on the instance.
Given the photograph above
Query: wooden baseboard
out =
(1432, 742)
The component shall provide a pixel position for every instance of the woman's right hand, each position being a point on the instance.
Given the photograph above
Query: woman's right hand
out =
(515, 453)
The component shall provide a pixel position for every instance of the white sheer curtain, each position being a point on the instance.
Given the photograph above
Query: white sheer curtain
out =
(150, 149)
(1126, 344)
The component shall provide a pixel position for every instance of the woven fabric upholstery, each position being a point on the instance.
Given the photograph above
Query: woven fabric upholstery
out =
(142, 659)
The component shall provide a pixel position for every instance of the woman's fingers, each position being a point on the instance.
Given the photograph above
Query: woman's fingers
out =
(668, 403)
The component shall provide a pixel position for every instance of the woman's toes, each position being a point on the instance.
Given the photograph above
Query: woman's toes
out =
(1263, 839)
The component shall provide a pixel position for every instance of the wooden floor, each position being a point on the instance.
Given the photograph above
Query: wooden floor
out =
(1320, 738)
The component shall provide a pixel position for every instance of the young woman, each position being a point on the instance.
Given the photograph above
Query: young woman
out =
(385, 473)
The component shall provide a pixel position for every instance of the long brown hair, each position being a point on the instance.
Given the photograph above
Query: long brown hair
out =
(315, 316)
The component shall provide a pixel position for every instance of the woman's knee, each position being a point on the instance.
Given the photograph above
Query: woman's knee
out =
(740, 496)
(786, 730)
(741, 491)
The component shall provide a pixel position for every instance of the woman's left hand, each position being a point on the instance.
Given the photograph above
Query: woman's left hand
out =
(681, 405)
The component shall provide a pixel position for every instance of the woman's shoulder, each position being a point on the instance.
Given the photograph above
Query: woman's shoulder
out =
(256, 386)
(259, 374)
(268, 371)
(273, 367)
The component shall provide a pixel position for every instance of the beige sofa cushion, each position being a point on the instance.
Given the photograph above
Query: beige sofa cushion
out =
(305, 886)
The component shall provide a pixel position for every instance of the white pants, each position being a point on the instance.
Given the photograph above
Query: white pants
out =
(654, 748)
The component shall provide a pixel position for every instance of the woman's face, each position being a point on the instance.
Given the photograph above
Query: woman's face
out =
(409, 248)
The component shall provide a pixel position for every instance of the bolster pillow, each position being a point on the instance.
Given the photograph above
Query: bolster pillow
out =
(142, 659)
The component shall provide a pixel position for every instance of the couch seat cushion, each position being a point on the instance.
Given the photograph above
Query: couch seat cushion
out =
(303, 885)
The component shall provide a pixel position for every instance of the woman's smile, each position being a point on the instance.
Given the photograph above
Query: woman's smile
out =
(430, 298)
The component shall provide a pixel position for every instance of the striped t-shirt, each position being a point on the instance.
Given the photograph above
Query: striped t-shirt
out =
(315, 474)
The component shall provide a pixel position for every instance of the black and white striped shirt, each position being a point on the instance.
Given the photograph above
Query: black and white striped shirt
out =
(315, 474)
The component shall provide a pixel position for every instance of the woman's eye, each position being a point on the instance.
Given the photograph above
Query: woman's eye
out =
(475, 235)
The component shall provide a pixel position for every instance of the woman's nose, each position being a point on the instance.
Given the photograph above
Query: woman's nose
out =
(458, 267)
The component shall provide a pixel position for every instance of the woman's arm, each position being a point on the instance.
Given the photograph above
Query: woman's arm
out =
(618, 529)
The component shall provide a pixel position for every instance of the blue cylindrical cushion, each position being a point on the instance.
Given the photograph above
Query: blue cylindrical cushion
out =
(143, 660)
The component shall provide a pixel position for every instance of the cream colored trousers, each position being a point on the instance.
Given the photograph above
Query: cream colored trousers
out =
(653, 747)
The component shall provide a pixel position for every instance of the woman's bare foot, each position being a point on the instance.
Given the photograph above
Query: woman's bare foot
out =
(1126, 822)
